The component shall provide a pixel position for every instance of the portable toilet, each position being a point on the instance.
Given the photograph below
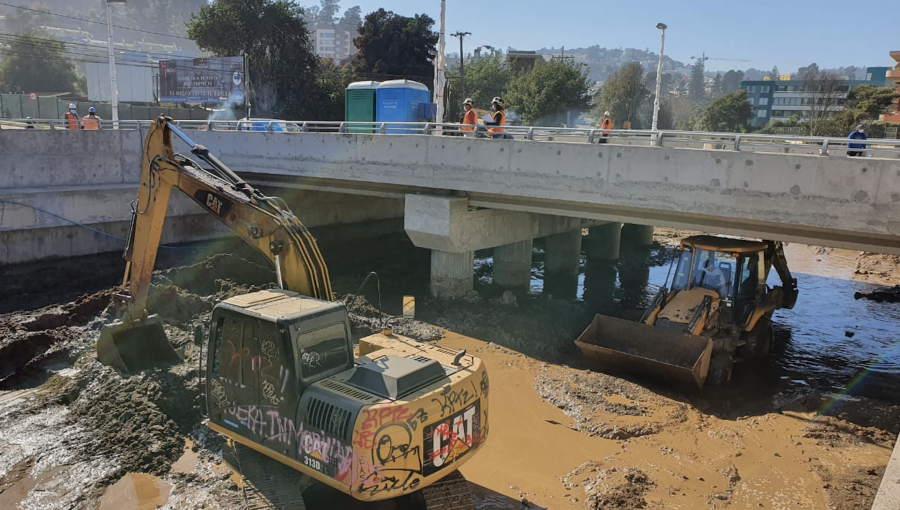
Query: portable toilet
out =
(359, 104)
(398, 101)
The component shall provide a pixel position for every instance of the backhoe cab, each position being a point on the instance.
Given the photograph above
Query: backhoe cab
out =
(716, 312)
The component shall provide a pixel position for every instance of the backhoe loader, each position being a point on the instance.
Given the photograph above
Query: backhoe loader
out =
(717, 311)
(393, 418)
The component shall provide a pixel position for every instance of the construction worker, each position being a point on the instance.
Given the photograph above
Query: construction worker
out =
(605, 126)
(71, 116)
(470, 119)
(498, 119)
(91, 121)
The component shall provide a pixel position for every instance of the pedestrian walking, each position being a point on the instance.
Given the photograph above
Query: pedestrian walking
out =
(858, 134)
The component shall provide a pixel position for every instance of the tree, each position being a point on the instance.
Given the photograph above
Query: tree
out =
(823, 93)
(697, 86)
(717, 88)
(328, 13)
(486, 78)
(550, 92)
(774, 74)
(273, 36)
(330, 89)
(623, 93)
(351, 20)
(36, 64)
(870, 101)
(729, 113)
(25, 21)
(731, 82)
(803, 71)
(394, 46)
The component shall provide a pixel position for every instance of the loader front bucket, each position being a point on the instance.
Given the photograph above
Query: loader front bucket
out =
(622, 345)
(135, 346)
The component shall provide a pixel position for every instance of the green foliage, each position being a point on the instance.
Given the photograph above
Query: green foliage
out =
(697, 88)
(36, 64)
(274, 37)
(731, 82)
(24, 21)
(870, 100)
(729, 113)
(486, 78)
(549, 92)
(393, 46)
(622, 94)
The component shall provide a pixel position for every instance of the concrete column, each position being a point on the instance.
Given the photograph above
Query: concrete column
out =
(603, 242)
(562, 255)
(451, 273)
(512, 265)
(637, 235)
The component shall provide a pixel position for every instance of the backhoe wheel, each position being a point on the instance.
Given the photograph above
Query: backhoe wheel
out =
(719, 370)
(450, 493)
(758, 340)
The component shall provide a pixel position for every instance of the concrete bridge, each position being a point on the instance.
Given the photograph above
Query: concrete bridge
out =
(457, 195)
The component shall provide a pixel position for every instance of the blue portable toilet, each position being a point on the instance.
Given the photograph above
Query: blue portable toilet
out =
(359, 105)
(398, 101)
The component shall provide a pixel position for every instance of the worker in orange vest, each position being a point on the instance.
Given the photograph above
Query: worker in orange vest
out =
(605, 126)
(470, 119)
(71, 117)
(498, 119)
(91, 121)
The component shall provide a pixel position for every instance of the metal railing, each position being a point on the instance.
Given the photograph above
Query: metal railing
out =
(740, 142)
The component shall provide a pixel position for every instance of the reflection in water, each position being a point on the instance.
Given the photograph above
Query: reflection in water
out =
(828, 340)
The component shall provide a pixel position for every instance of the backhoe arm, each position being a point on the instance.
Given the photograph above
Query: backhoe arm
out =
(775, 254)
(266, 223)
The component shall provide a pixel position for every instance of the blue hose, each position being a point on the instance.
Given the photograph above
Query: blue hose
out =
(100, 232)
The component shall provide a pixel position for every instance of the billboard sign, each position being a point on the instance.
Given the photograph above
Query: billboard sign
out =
(202, 80)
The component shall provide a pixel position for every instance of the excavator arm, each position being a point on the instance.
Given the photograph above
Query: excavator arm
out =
(266, 223)
(775, 257)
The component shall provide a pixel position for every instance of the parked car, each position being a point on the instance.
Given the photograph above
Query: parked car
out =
(274, 125)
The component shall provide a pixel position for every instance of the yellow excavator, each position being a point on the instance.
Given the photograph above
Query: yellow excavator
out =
(717, 312)
(390, 419)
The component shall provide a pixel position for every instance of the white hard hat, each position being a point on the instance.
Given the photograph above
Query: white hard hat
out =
(71, 106)
(469, 101)
(606, 113)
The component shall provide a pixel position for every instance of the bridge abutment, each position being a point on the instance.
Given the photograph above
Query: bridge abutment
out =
(637, 235)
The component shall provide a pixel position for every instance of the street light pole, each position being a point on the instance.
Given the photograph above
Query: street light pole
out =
(662, 46)
(113, 87)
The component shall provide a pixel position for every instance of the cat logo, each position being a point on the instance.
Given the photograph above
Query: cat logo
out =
(216, 204)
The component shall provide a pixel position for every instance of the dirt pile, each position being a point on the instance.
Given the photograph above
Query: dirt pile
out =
(876, 264)
(605, 406)
(611, 488)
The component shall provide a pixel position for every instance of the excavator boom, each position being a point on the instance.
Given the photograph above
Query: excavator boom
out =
(266, 223)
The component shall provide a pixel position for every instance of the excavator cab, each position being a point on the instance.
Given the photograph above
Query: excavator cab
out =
(718, 303)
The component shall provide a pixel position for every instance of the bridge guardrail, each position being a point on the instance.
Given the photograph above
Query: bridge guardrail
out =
(741, 142)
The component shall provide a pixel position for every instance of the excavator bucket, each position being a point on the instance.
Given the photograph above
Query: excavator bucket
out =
(135, 346)
(622, 345)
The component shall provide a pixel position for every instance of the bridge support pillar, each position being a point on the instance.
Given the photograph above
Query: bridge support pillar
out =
(451, 273)
(638, 235)
(601, 250)
(512, 265)
(603, 242)
(562, 257)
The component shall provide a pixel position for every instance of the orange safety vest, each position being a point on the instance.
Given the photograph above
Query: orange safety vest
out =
(72, 121)
(502, 122)
(469, 121)
(606, 124)
(91, 123)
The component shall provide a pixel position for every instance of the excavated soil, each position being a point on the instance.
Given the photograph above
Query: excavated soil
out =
(76, 434)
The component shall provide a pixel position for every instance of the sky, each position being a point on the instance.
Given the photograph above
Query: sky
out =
(783, 33)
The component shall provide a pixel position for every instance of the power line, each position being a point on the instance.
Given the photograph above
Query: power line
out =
(95, 22)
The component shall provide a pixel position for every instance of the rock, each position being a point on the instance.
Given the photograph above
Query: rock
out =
(508, 298)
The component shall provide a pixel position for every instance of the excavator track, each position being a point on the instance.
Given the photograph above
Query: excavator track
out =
(267, 484)
(451, 493)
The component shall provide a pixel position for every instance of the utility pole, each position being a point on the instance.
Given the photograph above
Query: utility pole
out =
(462, 58)
(562, 55)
